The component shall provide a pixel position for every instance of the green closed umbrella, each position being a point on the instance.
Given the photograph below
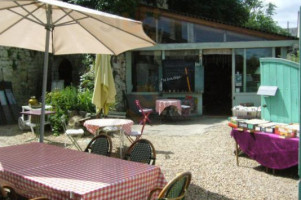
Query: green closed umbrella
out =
(104, 86)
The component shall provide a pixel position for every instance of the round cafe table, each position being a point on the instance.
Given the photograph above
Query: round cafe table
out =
(124, 126)
(161, 104)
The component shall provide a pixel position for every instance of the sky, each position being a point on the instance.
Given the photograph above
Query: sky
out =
(286, 11)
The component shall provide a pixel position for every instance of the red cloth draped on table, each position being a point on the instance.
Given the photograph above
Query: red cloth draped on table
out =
(269, 150)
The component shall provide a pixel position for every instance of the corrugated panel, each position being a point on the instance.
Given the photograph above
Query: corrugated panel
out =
(284, 106)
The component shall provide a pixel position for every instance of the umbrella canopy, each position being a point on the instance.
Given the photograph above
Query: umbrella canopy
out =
(74, 29)
(104, 85)
(61, 28)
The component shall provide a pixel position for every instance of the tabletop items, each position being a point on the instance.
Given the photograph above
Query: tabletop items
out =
(258, 125)
(246, 112)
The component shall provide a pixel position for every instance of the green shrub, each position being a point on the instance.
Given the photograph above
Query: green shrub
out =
(68, 99)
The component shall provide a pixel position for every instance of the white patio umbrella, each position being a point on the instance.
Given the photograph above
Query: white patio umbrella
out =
(61, 28)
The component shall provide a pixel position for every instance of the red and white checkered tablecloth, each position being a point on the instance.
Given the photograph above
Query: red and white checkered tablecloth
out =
(38, 169)
(94, 124)
(161, 104)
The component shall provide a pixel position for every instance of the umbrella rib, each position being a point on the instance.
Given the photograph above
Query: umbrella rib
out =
(70, 22)
(16, 6)
(19, 21)
(31, 13)
(66, 14)
(90, 33)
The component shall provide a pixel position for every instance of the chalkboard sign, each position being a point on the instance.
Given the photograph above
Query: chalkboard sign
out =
(178, 76)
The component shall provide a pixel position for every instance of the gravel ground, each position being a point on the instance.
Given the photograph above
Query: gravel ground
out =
(204, 147)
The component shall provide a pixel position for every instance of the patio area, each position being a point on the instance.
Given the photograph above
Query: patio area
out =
(202, 146)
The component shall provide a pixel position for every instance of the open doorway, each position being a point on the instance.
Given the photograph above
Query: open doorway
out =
(217, 97)
(65, 72)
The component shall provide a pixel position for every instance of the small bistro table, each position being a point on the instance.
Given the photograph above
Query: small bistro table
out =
(124, 127)
(39, 169)
(270, 150)
(35, 120)
(161, 104)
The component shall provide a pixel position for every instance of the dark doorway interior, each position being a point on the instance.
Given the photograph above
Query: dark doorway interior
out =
(217, 97)
(65, 72)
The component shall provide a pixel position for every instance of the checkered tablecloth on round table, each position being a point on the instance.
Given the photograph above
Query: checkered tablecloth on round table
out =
(38, 169)
(94, 124)
(161, 104)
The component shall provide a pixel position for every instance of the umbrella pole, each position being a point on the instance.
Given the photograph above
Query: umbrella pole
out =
(45, 72)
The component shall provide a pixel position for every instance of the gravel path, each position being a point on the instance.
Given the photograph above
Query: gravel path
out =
(204, 147)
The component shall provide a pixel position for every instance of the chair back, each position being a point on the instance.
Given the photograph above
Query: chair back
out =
(137, 102)
(7, 193)
(177, 187)
(141, 150)
(101, 144)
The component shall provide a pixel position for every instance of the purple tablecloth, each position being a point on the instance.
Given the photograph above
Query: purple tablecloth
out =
(268, 149)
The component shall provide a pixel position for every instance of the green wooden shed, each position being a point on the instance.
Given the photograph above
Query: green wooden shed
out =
(282, 76)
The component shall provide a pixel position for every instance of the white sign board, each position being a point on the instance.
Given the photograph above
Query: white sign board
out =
(267, 90)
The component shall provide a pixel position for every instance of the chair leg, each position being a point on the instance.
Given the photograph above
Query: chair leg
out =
(74, 142)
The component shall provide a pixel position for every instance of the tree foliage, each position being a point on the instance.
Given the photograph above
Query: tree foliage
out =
(230, 11)
(260, 17)
(119, 7)
(249, 13)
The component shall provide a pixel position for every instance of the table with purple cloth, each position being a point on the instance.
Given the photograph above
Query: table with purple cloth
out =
(270, 150)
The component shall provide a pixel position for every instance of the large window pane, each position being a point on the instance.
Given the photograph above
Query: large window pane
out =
(239, 70)
(253, 67)
(149, 25)
(145, 74)
(171, 31)
(207, 34)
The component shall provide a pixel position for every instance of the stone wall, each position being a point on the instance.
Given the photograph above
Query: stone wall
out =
(24, 69)
(119, 74)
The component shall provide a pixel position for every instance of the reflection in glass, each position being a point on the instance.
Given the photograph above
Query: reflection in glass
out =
(145, 71)
(239, 64)
(149, 26)
(253, 67)
(172, 31)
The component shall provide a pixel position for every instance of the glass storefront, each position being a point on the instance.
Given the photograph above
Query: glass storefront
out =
(145, 71)
(166, 30)
(247, 68)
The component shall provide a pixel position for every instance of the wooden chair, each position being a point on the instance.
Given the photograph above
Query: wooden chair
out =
(142, 151)
(72, 134)
(100, 144)
(144, 111)
(7, 193)
(175, 189)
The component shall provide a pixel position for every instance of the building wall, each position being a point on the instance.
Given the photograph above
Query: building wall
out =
(24, 69)
(119, 74)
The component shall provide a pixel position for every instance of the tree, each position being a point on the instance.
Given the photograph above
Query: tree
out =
(249, 13)
(230, 11)
(260, 17)
(120, 7)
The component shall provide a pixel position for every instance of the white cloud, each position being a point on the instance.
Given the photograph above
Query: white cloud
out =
(286, 11)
